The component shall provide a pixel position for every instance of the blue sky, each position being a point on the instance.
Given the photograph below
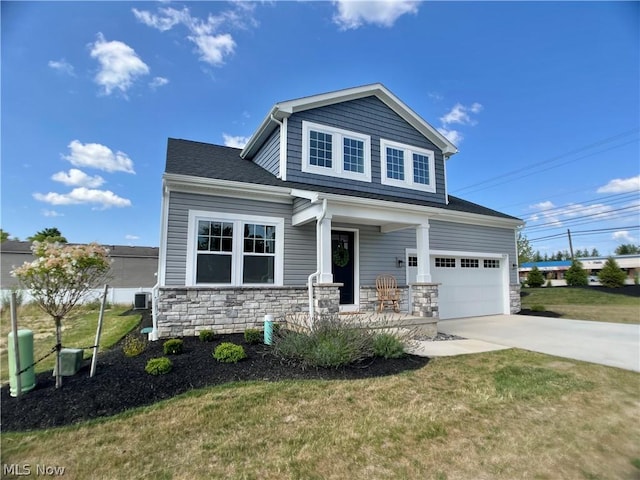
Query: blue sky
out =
(541, 98)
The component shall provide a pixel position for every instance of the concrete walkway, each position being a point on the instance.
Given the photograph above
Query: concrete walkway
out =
(612, 344)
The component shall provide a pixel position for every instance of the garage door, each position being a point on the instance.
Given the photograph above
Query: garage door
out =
(469, 286)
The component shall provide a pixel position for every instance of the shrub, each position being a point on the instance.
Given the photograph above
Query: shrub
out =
(158, 366)
(576, 276)
(535, 278)
(207, 335)
(173, 346)
(331, 344)
(133, 345)
(228, 352)
(252, 335)
(387, 345)
(611, 274)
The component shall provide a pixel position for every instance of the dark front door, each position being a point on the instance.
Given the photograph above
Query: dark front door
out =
(343, 264)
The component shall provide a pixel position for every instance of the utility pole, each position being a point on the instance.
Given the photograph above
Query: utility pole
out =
(570, 244)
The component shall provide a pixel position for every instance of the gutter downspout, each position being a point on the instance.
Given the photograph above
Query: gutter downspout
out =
(283, 139)
(318, 261)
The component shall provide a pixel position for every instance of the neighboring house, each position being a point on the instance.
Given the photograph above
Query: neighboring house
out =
(334, 190)
(554, 270)
(133, 269)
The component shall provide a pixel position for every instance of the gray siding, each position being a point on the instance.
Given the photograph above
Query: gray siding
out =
(299, 242)
(299, 204)
(372, 117)
(474, 238)
(378, 253)
(269, 155)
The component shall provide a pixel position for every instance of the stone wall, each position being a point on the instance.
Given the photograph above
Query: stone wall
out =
(185, 311)
(425, 300)
(514, 298)
(369, 299)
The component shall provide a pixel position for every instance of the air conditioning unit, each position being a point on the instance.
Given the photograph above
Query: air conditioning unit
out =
(141, 301)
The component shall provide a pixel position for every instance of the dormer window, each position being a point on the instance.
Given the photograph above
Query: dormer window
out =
(407, 166)
(335, 152)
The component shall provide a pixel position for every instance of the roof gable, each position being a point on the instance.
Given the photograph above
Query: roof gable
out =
(285, 109)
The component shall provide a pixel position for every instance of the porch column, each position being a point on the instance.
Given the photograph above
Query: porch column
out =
(323, 250)
(422, 244)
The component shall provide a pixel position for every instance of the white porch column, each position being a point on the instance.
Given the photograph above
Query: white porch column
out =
(324, 250)
(422, 243)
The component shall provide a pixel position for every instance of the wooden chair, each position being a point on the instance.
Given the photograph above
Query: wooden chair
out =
(387, 288)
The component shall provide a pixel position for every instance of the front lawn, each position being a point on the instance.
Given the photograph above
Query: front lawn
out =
(500, 415)
(620, 305)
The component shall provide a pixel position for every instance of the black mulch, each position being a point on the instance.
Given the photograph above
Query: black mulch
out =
(546, 313)
(121, 383)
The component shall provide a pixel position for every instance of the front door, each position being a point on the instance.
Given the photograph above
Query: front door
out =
(343, 264)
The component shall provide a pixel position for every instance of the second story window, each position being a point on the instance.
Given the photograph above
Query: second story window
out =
(407, 166)
(335, 152)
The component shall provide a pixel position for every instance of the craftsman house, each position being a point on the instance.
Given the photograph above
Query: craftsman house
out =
(330, 192)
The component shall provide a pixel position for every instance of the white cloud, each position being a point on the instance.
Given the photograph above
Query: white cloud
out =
(119, 65)
(383, 13)
(623, 236)
(212, 44)
(548, 213)
(621, 185)
(98, 156)
(52, 213)
(62, 66)
(454, 136)
(543, 205)
(81, 195)
(158, 82)
(460, 114)
(77, 178)
(132, 237)
(235, 142)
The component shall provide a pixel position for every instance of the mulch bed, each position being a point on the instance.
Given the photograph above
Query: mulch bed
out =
(121, 383)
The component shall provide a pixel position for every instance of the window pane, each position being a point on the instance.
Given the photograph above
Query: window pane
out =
(227, 229)
(271, 233)
(353, 155)
(203, 243)
(395, 164)
(216, 229)
(204, 227)
(258, 269)
(213, 269)
(320, 149)
(421, 169)
(248, 245)
(270, 246)
(227, 244)
(215, 244)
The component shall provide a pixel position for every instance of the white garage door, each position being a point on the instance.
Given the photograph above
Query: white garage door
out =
(469, 286)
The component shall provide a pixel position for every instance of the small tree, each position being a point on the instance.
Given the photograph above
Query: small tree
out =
(576, 276)
(627, 249)
(525, 251)
(611, 274)
(535, 278)
(61, 276)
(3, 235)
(48, 235)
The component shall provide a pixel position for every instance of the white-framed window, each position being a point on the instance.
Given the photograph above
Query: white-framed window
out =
(469, 263)
(234, 250)
(335, 152)
(445, 262)
(491, 263)
(407, 166)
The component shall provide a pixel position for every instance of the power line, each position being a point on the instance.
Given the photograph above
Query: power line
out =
(536, 165)
(621, 197)
(575, 220)
(579, 233)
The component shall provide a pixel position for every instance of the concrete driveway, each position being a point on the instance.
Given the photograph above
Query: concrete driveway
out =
(612, 344)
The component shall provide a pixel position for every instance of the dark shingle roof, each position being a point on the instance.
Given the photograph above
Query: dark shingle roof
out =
(206, 160)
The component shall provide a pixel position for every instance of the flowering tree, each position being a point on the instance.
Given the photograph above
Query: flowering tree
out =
(61, 276)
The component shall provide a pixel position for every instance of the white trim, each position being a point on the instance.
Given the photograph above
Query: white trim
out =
(237, 256)
(337, 155)
(355, 306)
(283, 149)
(164, 223)
(409, 174)
(456, 253)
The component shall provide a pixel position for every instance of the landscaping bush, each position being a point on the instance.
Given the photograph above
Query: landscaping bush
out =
(173, 346)
(207, 336)
(331, 344)
(387, 345)
(612, 275)
(576, 276)
(133, 345)
(252, 336)
(228, 352)
(158, 366)
(535, 278)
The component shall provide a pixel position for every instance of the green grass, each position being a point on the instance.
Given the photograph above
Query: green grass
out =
(500, 415)
(584, 303)
(79, 330)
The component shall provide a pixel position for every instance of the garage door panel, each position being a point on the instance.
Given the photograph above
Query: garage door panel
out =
(471, 291)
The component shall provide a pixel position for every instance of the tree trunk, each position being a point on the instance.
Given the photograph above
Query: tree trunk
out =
(58, 348)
